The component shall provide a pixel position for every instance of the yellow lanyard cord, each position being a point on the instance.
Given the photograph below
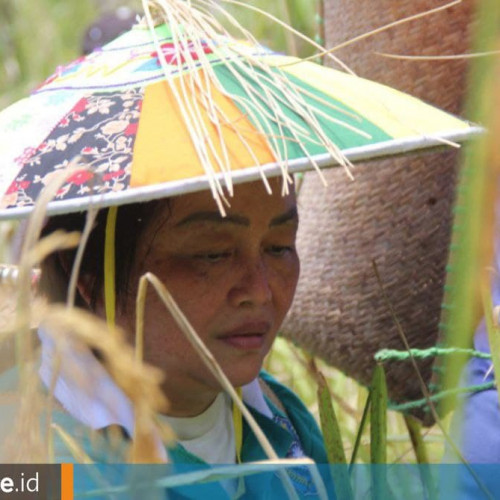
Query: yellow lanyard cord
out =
(109, 266)
(238, 438)
(238, 427)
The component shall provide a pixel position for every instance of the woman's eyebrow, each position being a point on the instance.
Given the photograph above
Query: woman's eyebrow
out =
(240, 220)
(214, 217)
(289, 216)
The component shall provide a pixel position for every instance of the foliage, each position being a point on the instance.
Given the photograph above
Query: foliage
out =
(37, 36)
(297, 13)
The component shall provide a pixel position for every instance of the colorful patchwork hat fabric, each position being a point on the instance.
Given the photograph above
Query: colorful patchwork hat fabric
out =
(161, 112)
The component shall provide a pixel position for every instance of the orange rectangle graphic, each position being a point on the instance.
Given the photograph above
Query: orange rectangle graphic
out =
(66, 481)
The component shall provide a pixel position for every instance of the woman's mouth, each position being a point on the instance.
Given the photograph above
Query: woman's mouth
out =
(249, 336)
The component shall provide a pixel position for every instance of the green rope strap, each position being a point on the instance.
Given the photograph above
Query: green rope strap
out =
(436, 397)
(395, 355)
(385, 355)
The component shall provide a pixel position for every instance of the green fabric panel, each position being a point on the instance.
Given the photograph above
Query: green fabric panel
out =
(304, 423)
(342, 137)
(279, 438)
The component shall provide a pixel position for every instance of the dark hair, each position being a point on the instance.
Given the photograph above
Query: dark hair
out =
(131, 222)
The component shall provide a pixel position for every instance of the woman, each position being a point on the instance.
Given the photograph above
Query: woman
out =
(234, 278)
(171, 107)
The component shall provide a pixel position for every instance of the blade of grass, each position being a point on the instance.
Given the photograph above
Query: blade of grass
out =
(473, 227)
(73, 446)
(424, 388)
(378, 416)
(414, 430)
(378, 432)
(333, 440)
(361, 429)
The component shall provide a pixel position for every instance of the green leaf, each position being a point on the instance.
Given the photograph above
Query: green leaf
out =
(361, 429)
(378, 433)
(333, 441)
(414, 430)
(379, 417)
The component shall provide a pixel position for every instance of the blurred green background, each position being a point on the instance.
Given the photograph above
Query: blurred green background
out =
(37, 36)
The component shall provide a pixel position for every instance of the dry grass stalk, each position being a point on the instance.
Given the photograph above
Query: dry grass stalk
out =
(212, 364)
(24, 342)
(267, 93)
(425, 390)
(81, 457)
(89, 221)
(26, 430)
(24, 443)
(29, 312)
(289, 29)
(438, 57)
(58, 240)
(9, 321)
(201, 349)
(73, 446)
(384, 28)
(144, 447)
(73, 329)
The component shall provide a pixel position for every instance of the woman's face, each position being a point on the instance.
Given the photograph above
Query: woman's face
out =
(233, 277)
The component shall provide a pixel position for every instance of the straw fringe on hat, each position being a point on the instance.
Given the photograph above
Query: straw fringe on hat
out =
(397, 212)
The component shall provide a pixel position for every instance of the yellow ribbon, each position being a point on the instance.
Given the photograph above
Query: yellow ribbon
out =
(238, 438)
(109, 266)
(238, 427)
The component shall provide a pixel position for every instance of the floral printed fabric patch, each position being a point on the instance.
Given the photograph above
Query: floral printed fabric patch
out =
(101, 128)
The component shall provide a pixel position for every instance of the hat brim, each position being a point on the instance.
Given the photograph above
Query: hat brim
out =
(179, 187)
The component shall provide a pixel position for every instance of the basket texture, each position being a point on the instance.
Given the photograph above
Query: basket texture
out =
(397, 212)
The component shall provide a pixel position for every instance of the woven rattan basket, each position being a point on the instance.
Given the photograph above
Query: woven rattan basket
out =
(396, 212)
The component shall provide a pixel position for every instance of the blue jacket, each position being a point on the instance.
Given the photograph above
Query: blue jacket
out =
(289, 434)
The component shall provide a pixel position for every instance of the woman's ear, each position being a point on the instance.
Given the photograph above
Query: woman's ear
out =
(84, 286)
(85, 283)
(87, 296)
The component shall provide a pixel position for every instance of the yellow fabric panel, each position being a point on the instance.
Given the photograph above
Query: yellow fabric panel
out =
(398, 114)
(164, 150)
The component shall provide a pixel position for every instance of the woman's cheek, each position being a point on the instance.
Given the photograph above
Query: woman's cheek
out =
(195, 282)
(289, 269)
(285, 278)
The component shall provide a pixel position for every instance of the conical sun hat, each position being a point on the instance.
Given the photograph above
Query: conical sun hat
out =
(397, 213)
(176, 105)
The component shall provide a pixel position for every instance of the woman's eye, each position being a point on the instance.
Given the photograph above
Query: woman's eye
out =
(213, 256)
(280, 250)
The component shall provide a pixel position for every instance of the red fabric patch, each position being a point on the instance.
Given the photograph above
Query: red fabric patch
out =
(17, 186)
(80, 177)
(172, 54)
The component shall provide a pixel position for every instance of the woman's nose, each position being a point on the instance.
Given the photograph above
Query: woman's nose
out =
(252, 285)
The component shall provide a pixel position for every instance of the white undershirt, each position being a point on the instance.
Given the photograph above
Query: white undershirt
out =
(210, 435)
(90, 395)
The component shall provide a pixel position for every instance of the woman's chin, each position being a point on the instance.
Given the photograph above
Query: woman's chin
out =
(243, 375)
